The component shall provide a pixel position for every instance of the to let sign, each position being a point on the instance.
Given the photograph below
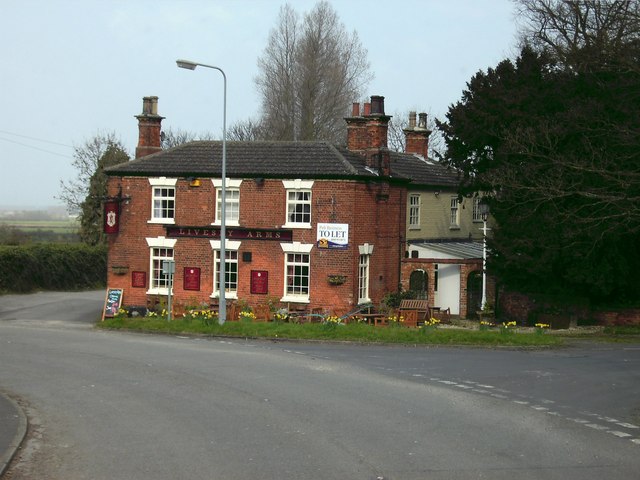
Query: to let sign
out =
(333, 235)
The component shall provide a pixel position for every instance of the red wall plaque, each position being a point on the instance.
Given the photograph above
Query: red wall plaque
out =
(259, 281)
(191, 278)
(139, 279)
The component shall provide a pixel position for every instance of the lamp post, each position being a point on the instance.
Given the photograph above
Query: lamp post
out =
(484, 212)
(222, 312)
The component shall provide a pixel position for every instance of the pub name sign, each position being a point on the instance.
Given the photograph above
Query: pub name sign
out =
(231, 233)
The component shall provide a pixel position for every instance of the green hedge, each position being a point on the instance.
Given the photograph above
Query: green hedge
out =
(27, 268)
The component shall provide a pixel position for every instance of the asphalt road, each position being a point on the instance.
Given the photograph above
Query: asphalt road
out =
(106, 405)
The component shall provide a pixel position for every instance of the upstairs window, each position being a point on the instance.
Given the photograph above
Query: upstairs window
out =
(298, 203)
(163, 200)
(232, 208)
(455, 213)
(477, 215)
(414, 211)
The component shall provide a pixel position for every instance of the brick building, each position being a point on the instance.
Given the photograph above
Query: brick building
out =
(308, 224)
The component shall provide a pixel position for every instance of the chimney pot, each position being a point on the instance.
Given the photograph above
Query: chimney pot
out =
(355, 110)
(422, 122)
(412, 120)
(367, 109)
(377, 105)
(150, 105)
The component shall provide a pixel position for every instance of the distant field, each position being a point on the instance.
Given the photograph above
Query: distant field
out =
(57, 226)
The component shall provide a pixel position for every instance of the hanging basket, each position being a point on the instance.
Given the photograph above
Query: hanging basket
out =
(336, 279)
(119, 269)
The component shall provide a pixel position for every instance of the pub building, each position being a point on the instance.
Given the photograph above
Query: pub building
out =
(310, 226)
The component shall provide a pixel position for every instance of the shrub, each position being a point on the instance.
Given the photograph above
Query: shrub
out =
(27, 268)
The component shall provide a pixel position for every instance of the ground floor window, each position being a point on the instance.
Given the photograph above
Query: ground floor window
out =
(159, 280)
(230, 268)
(363, 279)
(297, 272)
(364, 272)
(297, 265)
(230, 273)
(160, 249)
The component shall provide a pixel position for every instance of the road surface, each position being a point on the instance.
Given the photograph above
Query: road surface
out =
(111, 405)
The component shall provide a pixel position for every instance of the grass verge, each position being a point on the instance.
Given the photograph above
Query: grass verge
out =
(357, 333)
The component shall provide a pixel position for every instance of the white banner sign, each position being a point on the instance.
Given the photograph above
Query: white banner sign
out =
(333, 235)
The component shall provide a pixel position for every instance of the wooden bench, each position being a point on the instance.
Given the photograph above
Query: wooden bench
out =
(414, 311)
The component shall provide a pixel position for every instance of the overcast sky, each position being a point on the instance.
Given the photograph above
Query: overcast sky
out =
(74, 68)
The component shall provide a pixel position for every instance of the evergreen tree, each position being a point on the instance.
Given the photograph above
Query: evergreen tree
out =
(91, 221)
(557, 151)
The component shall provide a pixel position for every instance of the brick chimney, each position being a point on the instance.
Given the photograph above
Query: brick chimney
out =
(367, 129)
(149, 123)
(417, 137)
(356, 130)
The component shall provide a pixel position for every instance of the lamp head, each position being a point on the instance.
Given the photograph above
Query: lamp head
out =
(483, 207)
(188, 64)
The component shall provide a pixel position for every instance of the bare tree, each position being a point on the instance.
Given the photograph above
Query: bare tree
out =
(310, 73)
(586, 34)
(172, 138)
(86, 161)
(246, 131)
(276, 81)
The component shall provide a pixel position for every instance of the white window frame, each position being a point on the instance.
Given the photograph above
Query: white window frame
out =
(454, 217)
(154, 281)
(297, 187)
(230, 247)
(157, 185)
(296, 248)
(477, 216)
(233, 204)
(364, 273)
(414, 210)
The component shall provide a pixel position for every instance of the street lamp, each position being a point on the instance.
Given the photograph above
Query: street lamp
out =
(483, 209)
(222, 312)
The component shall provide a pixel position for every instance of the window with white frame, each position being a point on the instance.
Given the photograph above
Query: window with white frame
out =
(364, 272)
(232, 200)
(297, 272)
(455, 212)
(298, 203)
(230, 268)
(160, 249)
(163, 200)
(414, 210)
(477, 215)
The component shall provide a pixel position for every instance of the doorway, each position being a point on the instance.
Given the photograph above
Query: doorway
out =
(418, 283)
(474, 294)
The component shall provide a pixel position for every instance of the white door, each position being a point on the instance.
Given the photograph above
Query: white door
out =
(448, 294)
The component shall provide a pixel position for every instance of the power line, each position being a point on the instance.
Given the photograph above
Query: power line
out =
(37, 148)
(36, 139)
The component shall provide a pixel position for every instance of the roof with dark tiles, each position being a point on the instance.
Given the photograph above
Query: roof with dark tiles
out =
(280, 160)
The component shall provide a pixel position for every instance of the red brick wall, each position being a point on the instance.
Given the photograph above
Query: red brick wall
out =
(372, 218)
(519, 306)
(466, 267)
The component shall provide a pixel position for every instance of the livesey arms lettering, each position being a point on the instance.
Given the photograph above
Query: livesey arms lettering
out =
(235, 233)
